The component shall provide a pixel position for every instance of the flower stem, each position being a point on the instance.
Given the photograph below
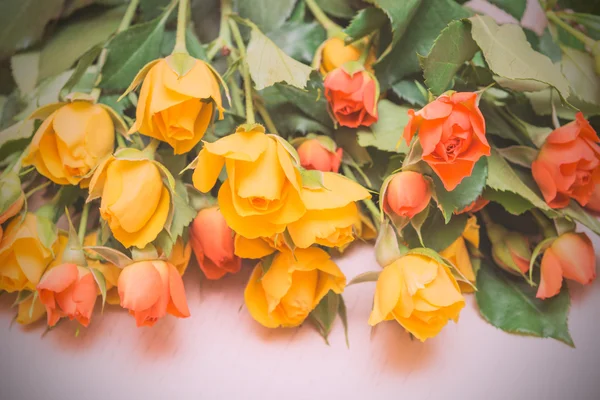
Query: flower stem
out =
(83, 222)
(239, 42)
(545, 225)
(152, 146)
(574, 32)
(180, 46)
(37, 189)
(264, 113)
(331, 27)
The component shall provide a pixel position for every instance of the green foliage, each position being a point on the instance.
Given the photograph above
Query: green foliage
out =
(516, 8)
(299, 40)
(324, 314)
(411, 91)
(339, 8)
(509, 303)
(436, 233)
(386, 133)
(400, 13)
(578, 67)
(512, 202)
(266, 14)
(453, 47)
(364, 23)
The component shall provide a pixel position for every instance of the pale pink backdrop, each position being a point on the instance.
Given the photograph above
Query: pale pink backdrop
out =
(221, 353)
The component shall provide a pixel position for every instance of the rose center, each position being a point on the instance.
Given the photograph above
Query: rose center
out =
(259, 203)
(582, 178)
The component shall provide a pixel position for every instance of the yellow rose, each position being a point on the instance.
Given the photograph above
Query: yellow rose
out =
(23, 255)
(292, 287)
(331, 212)
(334, 52)
(363, 229)
(458, 254)
(177, 109)
(259, 247)
(261, 194)
(135, 202)
(418, 292)
(30, 310)
(71, 142)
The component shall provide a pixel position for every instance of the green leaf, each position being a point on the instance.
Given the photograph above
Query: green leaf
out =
(111, 100)
(299, 40)
(370, 276)
(111, 255)
(549, 47)
(510, 56)
(130, 50)
(47, 231)
(21, 131)
(81, 68)
(101, 282)
(266, 14)
(436, 234)
(269, 64)
(25, 69)
(74, 39)
(501, 176)
(387, 247)
(417, 223)
(520, 155)
(22, 23)
(366, 21)
(339, 8)
(452, 48)
(576, 212)
(590, 21)
(579, 69)
(387, 131)
(411, 91)
(183, 213)
(400, 14)
(424, 27)
(10, 190)
(266, 263)
(512, 202)
(516, 8)
(312, 179)
(342, 312)
(324, 314)
(465, 193)
(347, 139)
(509, 303)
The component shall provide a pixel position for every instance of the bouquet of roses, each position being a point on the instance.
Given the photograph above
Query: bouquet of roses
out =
(459, 145)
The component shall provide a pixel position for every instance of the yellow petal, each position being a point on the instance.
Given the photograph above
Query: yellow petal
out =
(299, 300)
(242, 145)
(278, 279)
(418, 271)
(471, 232)
(443, 291)
(252, 248)
(256, 301)
(318, 226)
(207, 171)
(263, 178)
(338, 192)
(387, 293)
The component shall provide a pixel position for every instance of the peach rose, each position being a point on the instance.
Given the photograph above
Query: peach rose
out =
(150, 290)
(315, 156)
(407, 194)
(568, 165)
(352, 95)
(452, 134)
(570, 256)
(68, 290)
(594, 203)
(213, 244)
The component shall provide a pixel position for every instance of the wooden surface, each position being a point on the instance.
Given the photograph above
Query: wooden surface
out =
(220, 353)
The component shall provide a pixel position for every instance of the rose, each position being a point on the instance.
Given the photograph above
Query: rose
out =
(292, 286)
(570, 256)
(213, 243)
(150, 290)
(135, 202)
(334, 52)
(475, 206)
(262, 192)
(30, 310)
(458, 254)
(25, 252)
(259, 247)
(71, 142)
(177, 109)
(511, 250)
(180, 255)
(315, 155)
(407, 194)
(594, 203)
(452, 135)
(331, 212)
(12, 197)
(568, 164)
(420, 293)
(363, 229)
(68, 290)
(352, 93)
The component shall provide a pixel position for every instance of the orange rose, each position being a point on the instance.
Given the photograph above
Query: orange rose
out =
(68, 290)
(213, 243)
(315, 156)
(475, 206)
(452, 135)
(594, 203)
(570, 256)
(150, 290)
(407, 194)
(568, 165)
(352, 94)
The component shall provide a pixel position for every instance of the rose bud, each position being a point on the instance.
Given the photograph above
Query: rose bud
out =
(420, 293)
(570, 256)
(315, 155)
(510, 250)
(71, 142)
(68, 290)
(334, 52)
(407, 194)
(177, 109)
(213, 244)
(352, 93)
(452, 135)
(568, 164)
(150, 290)
(12, 197)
